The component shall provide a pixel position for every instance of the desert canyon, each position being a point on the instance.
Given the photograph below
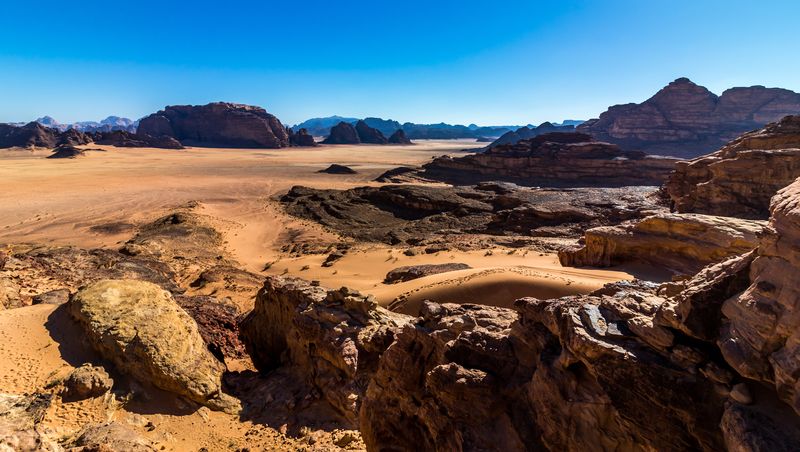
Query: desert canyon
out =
(207, 278)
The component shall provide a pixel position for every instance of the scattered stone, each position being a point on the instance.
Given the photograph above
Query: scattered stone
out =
(86, 382)
(56, 297)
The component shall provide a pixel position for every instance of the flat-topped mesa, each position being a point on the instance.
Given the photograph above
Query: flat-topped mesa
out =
(557, 160)
(687, 120)
(218, 124)
(739, 179)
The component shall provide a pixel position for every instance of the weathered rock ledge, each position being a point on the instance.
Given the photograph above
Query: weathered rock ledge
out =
(682, 243)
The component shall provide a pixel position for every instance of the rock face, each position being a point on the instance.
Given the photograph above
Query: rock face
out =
(125, 321)
(399, 137)
(217, 124)
(682, 243)
(20, 416)
(759, 336)
(301, 138)
(343, 133)
(554, 160)
(686, 120)
(74, 138)
(369, 135)
(740, 179)
(417, 215)
(30, 135)
(333, 338)
(411, 272)
(121, 138)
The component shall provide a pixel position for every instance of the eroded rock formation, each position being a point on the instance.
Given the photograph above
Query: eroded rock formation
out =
(682, 243)
(399, 137)
(708, 363)
(301, 138)
(411, 272)
(218, 124)
(554, 160)
(687, 120)
(343, 133)
(740, 179)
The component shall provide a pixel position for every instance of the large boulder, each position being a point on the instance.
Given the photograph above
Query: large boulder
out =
(141, 329)
(556, 159)
(343, 133)
(682, 243)
(218, 124)
(740, 179)
(687, 120)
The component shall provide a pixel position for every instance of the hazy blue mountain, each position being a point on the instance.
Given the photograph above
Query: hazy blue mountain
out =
(109, 124)
(321, 127)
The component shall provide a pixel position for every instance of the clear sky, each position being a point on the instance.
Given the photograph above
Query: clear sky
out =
(487, 62)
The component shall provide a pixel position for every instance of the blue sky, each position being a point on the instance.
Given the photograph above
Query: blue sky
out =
(502, 62)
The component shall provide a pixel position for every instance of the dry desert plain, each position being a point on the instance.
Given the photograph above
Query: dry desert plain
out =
(99, 200)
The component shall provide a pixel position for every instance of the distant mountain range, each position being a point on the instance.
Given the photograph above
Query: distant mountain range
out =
(109, 124)
(322, 126)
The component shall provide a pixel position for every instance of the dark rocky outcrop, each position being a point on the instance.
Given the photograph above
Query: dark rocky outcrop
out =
(369, 135)
(121, 138)
(416, 214)
(301, 138)
(399, 137)
(740, 179)
(686, 120)
(32, 134)
(335, 168)
(554, 160)
(412, 272)
(66, 151)
(218, 124)
(218, 324)
(74, 137)
(343, 133)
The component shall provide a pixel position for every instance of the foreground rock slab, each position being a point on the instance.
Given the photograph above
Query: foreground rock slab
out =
(142, 330)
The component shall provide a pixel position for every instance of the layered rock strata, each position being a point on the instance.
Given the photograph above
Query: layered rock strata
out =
(687, 120)
(739, 179)
(554, 160)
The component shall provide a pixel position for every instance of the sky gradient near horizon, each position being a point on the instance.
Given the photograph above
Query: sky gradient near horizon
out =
(490, 63)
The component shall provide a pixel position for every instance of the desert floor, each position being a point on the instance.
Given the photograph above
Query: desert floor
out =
(57, 202)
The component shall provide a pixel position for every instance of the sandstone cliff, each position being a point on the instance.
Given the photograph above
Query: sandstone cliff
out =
(687, 120)
(342, 133)
(554, 160)
(217, 124)
(739, 179)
